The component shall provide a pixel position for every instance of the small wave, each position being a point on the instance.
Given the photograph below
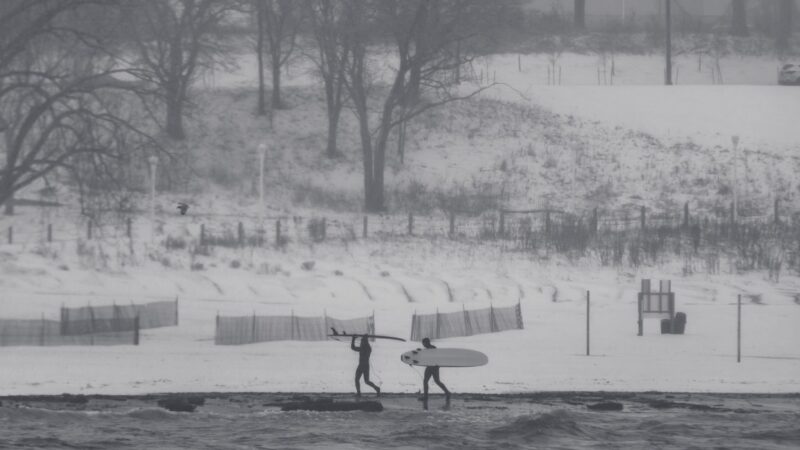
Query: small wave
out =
(151, 414)
(558, 422)
(28, 413)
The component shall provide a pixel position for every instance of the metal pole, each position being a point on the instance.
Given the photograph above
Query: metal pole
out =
(739, 329)
(735, 140)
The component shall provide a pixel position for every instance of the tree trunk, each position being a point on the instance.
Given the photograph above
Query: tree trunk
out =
(580, 14)
(262, 106)
(668, 48)
(401, 141)
(785, 24)
(738, 18)
(6, 191)
(333, 125)
(174, 92)
(175, 117)
(276, 85)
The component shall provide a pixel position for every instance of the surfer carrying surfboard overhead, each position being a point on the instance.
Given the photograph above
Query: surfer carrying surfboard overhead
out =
(364, 351)
(432, 371)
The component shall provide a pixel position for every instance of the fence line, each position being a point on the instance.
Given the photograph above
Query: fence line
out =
(14, 332)
(466, 322)
(241, 330)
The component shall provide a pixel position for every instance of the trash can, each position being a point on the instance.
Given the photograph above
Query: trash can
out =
(680, 323)
(666, 326)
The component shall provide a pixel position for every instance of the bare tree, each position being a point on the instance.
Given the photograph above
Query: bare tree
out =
(262, 103)
(61, 94)
(432, 62)
(738, 18)
(175, 40)
(785, 23)
(282, 21)
(332, 53)
(580, 14)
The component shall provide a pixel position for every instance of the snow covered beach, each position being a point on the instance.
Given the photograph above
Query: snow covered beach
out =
(548, 355)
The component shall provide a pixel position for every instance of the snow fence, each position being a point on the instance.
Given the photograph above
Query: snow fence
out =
(251, 329)
(90, 325)
(14, 332)
(466, 323)
(92, 319)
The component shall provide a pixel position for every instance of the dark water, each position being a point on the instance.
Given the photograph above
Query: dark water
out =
(546, 421)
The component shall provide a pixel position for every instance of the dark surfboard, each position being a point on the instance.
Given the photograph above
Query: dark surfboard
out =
(375, 336)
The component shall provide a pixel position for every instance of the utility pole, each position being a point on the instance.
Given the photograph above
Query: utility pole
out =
(668, 70)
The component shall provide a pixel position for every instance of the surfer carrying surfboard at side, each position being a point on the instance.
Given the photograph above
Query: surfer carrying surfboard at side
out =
(432, 372)
(364, 351)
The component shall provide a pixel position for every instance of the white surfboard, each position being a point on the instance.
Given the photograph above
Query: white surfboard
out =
(444, 357)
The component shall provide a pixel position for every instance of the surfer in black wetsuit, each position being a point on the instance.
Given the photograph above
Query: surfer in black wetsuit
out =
(364, 351)
(432, 371)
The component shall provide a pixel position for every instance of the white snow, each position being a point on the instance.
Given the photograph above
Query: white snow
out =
(549, 354)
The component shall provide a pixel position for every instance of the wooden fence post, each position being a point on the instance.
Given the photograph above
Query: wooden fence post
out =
(216, 330)
(49, 232)
(587, 322)
(437, 323)
(686, 215)
(253, 329)
(176, 310)
(410, 224)
(547, 222)
(91, 324)
(467, 325)
(10, 234)
(366, 225)
(41, 333)
(202, 234)
(739, 329)
(642, 217)
(240, 234)
(136, 330)
(64, 320)
(292, 320)
(452, 231)
(502, 223)
(278, 232)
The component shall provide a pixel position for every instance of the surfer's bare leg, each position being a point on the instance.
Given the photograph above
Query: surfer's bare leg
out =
(359, 372)
(435, 374)
(369, 383)
(428, 373)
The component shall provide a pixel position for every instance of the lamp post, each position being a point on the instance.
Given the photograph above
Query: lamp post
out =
(735, 140)
(262, 150)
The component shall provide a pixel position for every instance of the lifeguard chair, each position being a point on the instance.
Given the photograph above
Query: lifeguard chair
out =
(659, 304)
